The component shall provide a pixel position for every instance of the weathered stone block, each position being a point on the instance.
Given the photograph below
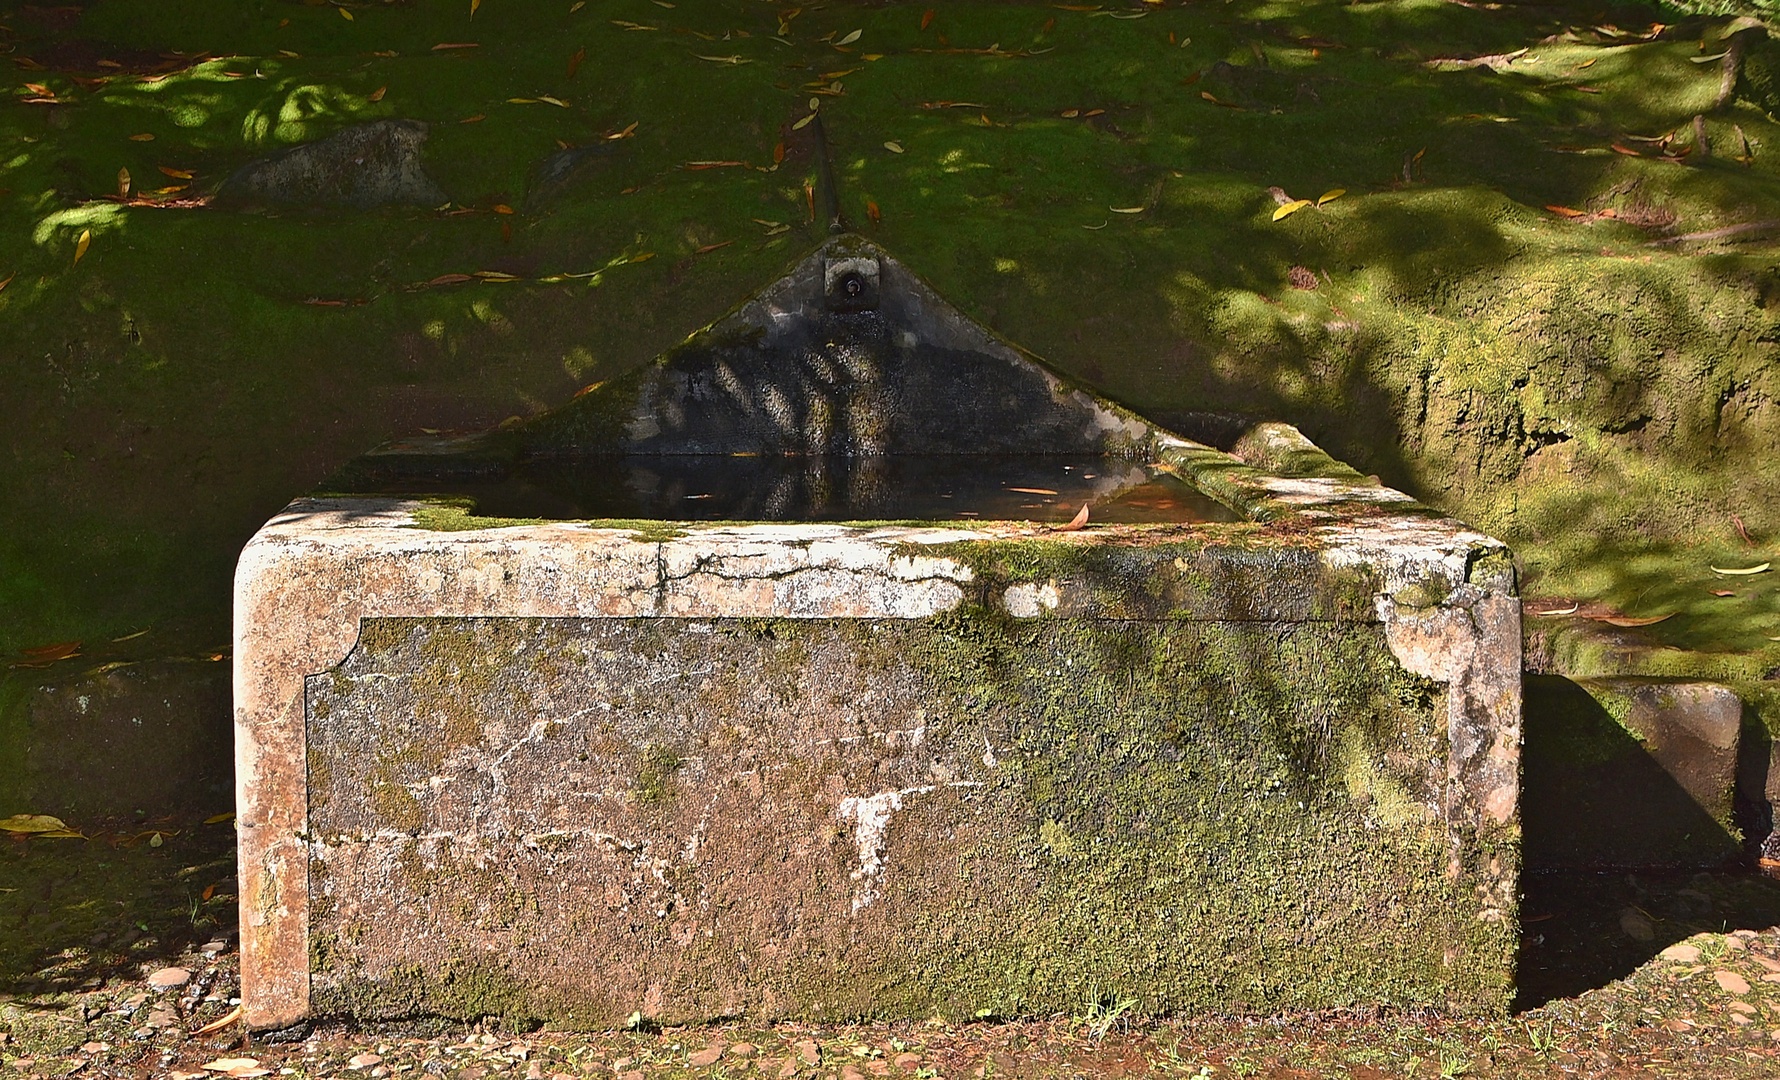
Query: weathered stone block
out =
(560, 772)
(1259, 758)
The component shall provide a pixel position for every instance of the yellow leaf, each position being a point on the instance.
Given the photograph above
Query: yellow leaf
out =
(474, 4)
(377, 94)
(32, 823)
(871, 56)
(854, 36)
(802, 122)
(1290, 208)
(1330, 196)
(558, 102)
(578, 5)
(522, 101)
(1124, 210)
(62, 834)
(123, 183)
(217, 819)
(7, 280)
(81, 245)
(1737, 571)
(177, 174)
(893, 146)
(344, 14)
(144, 137)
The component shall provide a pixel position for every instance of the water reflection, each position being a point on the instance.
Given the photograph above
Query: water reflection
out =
(700, 487)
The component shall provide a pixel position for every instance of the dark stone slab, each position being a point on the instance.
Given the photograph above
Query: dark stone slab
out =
(366, 165)
(151, 736)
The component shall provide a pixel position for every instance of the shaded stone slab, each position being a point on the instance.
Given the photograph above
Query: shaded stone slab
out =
(365, 165)
(1630, 773)
(118, 738)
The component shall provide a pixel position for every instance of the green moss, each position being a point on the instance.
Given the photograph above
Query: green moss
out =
(655, 777)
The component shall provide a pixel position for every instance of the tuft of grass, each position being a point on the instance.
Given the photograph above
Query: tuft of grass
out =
(1103, 1013)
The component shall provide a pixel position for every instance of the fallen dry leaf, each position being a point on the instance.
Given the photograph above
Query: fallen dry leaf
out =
(872, 211)
(377, 94)
(926, 18)
(1033, 491)
(575, 60)
(1565, 211)
(893, 146)
(1723, 592)
(8, 280)
(1742, 571)
(33, 823)
(144, 137)
(1076, 522)
(1571, 610)
(708, 248)
(1328, 197)
(177, 174)
(1628, 620)
(123, 183)
(443, 45)
(61, 650)
(851, 38)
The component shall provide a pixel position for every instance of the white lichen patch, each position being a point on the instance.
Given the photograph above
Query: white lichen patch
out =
(1029, 601)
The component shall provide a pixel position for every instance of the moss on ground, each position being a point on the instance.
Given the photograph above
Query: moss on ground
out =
(1585, 385)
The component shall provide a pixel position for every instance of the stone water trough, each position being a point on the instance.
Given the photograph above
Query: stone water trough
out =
(771, 681)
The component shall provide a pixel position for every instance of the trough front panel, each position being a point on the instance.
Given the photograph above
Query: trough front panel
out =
(574, 820)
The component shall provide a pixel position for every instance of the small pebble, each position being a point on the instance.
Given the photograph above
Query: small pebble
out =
(741, 1050)
(809, 1051)
(168, 978)
(1681, 954)
(1731, 982)
(365, 1061)
(908, 1061)
(706, 1057)
(380, 1072)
